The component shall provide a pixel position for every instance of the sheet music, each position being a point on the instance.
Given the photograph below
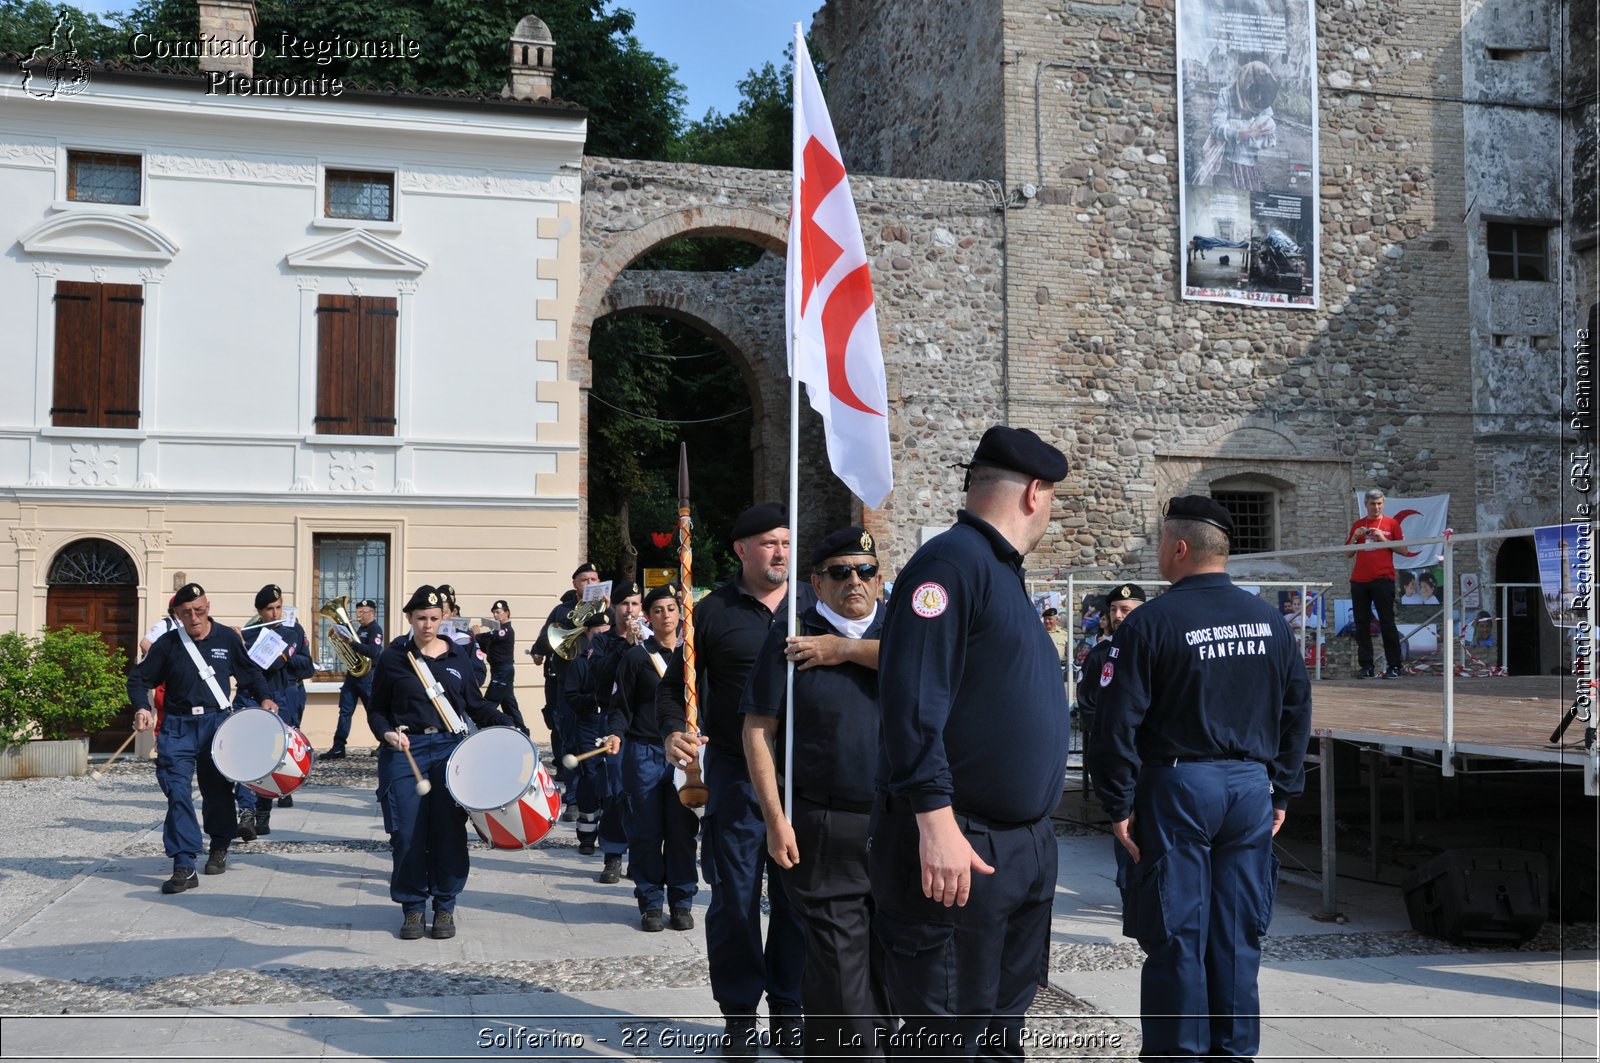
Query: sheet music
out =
(291, 615)
(346, 632)
(266, 648)
(595, 591)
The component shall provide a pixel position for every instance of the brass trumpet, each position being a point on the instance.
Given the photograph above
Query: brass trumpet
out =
(355, 664)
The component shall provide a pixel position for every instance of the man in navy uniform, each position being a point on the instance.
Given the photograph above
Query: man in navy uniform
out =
(285, 678)
(558, 718)
(1199, 745)
(1121, 601)
(730, 625)
(974, 754)
(821, 843)
(369, 643)
(499, 649)
(196, 662)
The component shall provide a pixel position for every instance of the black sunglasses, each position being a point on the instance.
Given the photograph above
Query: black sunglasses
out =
(866, 570)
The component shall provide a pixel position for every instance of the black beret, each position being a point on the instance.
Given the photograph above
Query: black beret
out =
(1201, 508)
(844, 541)
(599, 619)
(623, 588)
(366, 603)
(425, 597)
(188, 593)
(758, 519)
(1021, 451)
(500, 603)
(666, 590)
(1051, 612)
(1128, 592)
(267, 595)
(587, 566)
(447, 591)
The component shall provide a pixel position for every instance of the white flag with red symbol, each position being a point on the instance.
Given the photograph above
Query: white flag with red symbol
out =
(833, 329)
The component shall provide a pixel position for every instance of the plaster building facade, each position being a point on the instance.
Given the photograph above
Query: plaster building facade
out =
(313, 341)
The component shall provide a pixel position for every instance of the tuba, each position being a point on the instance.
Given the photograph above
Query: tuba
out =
(355, 664)
(564, 640)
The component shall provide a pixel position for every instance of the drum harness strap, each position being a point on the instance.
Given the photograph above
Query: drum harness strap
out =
(208, 673)
(661, 666)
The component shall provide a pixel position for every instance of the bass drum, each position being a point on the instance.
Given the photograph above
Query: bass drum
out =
(255, 747)
(497, 777)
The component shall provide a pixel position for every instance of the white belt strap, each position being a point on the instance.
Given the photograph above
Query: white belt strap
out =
(208, 673)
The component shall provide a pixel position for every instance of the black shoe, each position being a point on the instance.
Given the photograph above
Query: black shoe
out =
(740, 1041)
(651, 922)
(286, 801)
(569, 814)
(247, 826)
(1367, 673)
(612, 872)
(217, 862)
(587, 846)
(1392, 673)
(682, 919)
(334, 754)
(183, 878)
(787, 1035)
(263, 824)
(412, 928)
(444, 925)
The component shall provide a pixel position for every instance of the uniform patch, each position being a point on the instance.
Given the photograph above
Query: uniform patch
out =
(930, 600)
(1113, 653)
(1106, 673)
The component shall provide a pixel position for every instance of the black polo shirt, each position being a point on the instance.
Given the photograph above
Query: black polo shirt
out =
(633, 705)
(398, 698)
(499, 646)
(836, 720)
(168, 662)
(974, 711)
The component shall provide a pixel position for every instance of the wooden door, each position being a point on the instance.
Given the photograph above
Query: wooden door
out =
(112, 612)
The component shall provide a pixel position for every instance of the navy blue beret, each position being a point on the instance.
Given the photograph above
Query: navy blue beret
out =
(623, 588)
(267, 595)
(188, 593)
(844, 541)
(1128, 592)
(666, 590)
(424, 597)
(1201, 508)
(1021, 451)
(758, 519)
(587, 566)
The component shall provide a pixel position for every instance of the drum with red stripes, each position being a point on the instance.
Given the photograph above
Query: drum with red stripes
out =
(496, 775)
(256, 748)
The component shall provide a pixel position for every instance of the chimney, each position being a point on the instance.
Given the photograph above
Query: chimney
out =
(533, 61)
(228, 36)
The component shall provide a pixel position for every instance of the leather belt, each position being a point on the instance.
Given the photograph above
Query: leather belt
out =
(839, 804)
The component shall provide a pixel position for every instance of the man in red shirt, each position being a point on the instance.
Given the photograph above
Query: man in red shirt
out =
(1372, 586)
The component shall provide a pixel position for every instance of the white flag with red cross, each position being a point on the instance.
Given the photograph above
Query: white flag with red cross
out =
(833, 329)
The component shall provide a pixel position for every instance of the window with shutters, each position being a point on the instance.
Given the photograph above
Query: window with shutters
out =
(98, 330)
(356, 365)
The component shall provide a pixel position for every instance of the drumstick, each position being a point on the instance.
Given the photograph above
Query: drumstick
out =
(423, 785)
(570, 761)
(96, 775)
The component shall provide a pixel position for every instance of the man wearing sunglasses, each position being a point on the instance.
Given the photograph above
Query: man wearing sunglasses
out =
(974, 750)
(822, 843)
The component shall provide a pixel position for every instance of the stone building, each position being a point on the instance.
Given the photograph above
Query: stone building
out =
(1446, 130)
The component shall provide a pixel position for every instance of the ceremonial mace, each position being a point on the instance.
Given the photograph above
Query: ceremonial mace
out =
(693, 792)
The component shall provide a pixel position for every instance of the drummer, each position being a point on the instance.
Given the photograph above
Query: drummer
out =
(427, 831)
(196, 663)
(285, 677)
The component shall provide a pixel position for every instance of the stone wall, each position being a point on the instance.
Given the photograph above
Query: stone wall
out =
(938, 275)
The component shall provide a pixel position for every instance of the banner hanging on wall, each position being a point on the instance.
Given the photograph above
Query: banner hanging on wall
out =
(1247, 147)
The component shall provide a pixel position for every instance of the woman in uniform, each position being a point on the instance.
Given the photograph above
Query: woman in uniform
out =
(427, 831)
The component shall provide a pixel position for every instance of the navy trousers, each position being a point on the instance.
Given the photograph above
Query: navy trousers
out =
(427, 832)
(184, 748)
(1198, 902)
(600, 797)
(962, 978)
(503, 692)
(352, 690)
(734, 854)
(660, 830)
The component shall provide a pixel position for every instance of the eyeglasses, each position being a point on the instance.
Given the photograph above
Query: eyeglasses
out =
(866, 570)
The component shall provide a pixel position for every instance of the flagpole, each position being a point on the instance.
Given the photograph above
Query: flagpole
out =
(794, 477)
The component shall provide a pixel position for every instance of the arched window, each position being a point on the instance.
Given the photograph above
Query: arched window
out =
(92, 562)
(1253, 503)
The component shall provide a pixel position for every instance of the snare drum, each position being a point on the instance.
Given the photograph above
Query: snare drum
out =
(255, 747)
(497, 777)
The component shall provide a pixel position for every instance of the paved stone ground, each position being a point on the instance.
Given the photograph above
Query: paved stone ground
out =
(293, 954)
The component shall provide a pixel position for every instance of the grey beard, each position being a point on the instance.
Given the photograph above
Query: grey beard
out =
(776, 577)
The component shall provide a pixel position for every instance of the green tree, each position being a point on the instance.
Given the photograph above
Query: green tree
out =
(61, 682)
(26, 24)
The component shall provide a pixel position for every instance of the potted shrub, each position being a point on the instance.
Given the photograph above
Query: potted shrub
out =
(52, 686)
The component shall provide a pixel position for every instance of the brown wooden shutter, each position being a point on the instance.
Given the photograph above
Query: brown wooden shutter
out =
(77, 381)
(379, 321)
(121, 321)
(338, 366)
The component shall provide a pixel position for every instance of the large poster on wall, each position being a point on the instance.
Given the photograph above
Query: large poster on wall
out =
(1247, 148)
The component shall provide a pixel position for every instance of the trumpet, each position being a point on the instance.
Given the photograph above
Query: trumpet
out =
(355, 664)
